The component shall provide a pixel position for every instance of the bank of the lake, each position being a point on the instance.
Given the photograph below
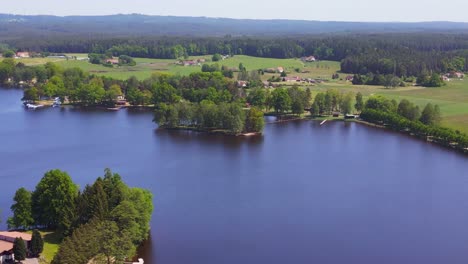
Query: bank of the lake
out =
(302, 193)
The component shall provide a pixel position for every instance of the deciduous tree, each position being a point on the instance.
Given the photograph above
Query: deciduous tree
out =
(22, 210)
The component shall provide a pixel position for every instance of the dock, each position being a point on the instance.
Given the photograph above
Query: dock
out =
(323, 122)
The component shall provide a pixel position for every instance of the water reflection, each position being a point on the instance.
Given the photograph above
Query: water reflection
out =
(185, 136)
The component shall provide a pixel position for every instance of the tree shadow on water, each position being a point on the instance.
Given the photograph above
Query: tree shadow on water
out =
(187, 137)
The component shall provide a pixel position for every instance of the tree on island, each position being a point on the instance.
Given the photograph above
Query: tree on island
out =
(254, 121)
(19, 249)
(22, 210)
(37, 243)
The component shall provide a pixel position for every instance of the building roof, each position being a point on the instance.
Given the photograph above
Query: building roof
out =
(13, 235)
(5, 246)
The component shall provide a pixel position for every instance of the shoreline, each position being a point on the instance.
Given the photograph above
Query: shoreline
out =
(285, 119)
(212, 131)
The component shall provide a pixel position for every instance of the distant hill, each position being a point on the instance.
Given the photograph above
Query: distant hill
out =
(13, 26)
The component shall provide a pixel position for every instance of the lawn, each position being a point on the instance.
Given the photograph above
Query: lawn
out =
(52, 242)
(38, 61)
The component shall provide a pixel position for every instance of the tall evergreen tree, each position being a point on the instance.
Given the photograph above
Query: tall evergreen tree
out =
(19, 249)
(37, 243)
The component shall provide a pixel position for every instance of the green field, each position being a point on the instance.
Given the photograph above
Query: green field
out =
(452, 98)
(145, 67)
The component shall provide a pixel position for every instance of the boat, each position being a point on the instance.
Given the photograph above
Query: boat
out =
(57, 102)
(113, 108)
(34, 106)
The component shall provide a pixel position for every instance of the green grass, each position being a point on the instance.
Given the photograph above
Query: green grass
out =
(38, 61)
(52, 242)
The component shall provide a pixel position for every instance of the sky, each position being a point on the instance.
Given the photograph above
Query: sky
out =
(329, 10)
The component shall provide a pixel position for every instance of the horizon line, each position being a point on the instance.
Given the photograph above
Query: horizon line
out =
(237, 18)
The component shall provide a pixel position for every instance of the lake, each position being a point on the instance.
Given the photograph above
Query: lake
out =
(302, 193)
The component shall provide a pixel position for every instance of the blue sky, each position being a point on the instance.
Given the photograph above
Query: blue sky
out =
(329, 10)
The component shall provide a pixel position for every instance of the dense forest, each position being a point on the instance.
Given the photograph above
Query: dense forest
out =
(107, 210)
(13, 26)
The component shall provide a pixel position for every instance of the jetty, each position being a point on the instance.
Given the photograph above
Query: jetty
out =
(324, 121)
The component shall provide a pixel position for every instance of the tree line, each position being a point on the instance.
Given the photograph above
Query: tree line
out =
(407, 117)
(292, 100)
(400, 54)
(108, 210)
(444, 136)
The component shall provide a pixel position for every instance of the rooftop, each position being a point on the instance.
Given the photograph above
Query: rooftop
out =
(5, 246)
(14, 235)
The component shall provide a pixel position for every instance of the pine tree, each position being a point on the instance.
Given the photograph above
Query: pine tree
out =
(37, 244)
(19, 249)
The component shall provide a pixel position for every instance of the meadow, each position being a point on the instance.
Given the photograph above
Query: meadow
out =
(452, 98)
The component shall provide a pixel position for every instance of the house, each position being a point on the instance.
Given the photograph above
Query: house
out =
(201, 60)
(291, 79)
(308, 59)
(349, 78)
(113, 61)
(6, 244)
(445, 78)
(336, 114)
(24, 54)
(6, 251)
(190, 63)
(280, 69)
(242, 84)
(458, 75)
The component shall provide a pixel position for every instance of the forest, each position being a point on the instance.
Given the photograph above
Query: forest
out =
(107, 210)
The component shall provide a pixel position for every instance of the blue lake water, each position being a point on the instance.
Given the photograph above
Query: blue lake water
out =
(302, 193)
